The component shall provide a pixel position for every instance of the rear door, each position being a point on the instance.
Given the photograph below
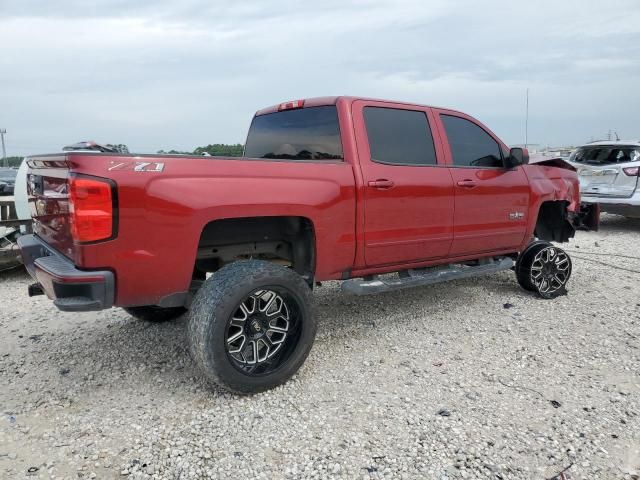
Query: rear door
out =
(491, 202)
(408, 190)
(607, 170)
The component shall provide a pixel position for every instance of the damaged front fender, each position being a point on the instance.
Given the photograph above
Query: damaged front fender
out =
(554, 222)
(555, 189)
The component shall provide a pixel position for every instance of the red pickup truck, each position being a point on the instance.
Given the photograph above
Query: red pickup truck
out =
(334, 188)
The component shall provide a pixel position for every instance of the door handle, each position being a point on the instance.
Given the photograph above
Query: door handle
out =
(381, 183)
(467, 183)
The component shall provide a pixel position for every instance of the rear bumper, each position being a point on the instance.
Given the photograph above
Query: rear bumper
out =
(620, 206)
(71, 289)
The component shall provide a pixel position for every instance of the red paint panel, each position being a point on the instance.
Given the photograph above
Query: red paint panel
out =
(408, 212)
(493, 214)
(491, 204)
(162, 214)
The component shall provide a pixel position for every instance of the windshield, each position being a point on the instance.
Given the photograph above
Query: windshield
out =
(606, 154)
(302, 134)
(8, 174)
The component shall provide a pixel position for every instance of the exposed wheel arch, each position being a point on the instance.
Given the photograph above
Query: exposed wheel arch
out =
(288, 240)
(553, 223)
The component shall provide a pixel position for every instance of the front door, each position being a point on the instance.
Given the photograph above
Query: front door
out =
(491, 202)
(407, 187)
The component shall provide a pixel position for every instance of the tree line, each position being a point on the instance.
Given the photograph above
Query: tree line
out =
(215, 150)
(12, 161)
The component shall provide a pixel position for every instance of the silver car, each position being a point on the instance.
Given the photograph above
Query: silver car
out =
(7, 180)
(609, 172)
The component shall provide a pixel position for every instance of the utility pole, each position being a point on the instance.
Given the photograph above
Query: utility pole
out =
(526, 122)
(3, 131)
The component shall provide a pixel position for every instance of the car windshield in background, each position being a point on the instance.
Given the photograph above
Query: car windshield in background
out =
(303, 134)
(8, 174)
(606, 154)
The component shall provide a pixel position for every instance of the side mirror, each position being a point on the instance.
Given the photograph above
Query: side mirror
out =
(517, 156)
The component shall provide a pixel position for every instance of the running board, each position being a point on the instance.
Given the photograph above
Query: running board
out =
(418, 278)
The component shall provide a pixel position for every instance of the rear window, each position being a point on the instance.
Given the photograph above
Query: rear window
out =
(606, 154)
(304, 134)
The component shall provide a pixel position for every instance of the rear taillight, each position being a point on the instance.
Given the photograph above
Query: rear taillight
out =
(631, 171)
(91, 208)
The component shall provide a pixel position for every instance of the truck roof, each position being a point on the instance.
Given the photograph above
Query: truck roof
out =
(322, 101)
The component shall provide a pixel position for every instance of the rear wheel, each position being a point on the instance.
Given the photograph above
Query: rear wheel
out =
(544, 268)
(155, 314)
(251, 326)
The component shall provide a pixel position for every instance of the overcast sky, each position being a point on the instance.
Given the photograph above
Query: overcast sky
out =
(179, 74)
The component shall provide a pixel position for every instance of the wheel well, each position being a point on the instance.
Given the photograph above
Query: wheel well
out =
(553, 222)
(286, 240)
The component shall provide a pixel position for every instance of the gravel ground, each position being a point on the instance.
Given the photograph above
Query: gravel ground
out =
(470, 379)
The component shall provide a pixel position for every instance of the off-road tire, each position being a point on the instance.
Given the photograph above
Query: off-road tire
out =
(155, 314)
(523, 269)
(211, 314)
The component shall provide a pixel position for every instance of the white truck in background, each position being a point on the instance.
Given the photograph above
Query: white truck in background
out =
(15, 216)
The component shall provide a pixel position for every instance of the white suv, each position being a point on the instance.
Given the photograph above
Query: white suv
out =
(609, 175)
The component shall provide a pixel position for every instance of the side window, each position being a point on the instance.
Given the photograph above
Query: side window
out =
(399, 137)
(470, 145)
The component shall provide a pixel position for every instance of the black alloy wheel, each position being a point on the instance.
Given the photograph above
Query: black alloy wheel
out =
(544, 268)
(251, 326)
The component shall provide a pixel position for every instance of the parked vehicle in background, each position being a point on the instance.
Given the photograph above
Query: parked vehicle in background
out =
(20, 196)
(14, 217)
(609, 173)
(7, 180)
(333, 188)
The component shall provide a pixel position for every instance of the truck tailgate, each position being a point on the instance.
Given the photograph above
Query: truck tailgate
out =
(48, 191)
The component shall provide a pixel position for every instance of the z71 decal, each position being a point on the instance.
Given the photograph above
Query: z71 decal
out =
(137, 166)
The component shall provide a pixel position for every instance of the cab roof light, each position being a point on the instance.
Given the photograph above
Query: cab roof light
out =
(291, 105)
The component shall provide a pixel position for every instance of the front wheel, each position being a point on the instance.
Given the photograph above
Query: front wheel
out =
(544, 268)
(251, 326)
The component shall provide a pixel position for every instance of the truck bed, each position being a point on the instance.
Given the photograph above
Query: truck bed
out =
(164, 203)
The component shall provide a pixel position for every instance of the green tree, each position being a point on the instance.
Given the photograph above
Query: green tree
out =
(174, 152)
(221, 150)
(215, 150)
(13, 161)
(119, 147)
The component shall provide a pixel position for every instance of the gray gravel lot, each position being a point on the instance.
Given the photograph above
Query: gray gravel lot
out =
(470, 379)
